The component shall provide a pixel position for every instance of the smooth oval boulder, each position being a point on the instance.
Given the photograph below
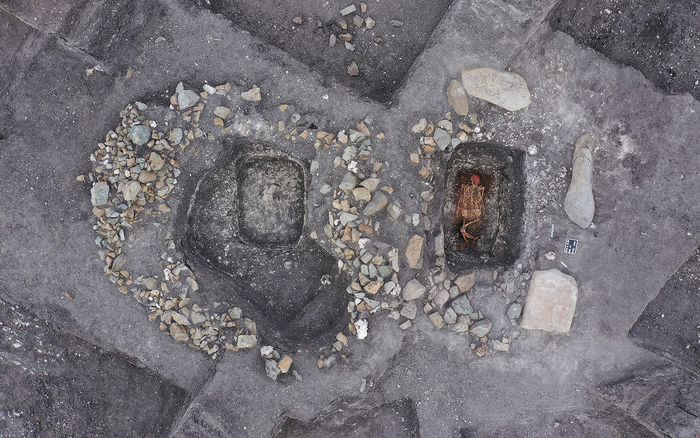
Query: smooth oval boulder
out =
(502, 88)
(579, 204)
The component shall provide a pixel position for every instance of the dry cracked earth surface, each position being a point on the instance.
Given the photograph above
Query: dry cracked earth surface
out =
(474, 218)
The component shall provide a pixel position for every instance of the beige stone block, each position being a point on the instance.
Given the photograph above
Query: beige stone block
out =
(551, 302)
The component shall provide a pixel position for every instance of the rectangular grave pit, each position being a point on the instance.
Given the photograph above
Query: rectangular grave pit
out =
(498, 232)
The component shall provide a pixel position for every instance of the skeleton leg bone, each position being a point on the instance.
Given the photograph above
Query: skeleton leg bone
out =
(466, 235)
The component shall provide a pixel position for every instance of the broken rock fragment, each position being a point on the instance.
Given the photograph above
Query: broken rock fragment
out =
(130, 190)
(409, 310)
(222, 111)
(442, 138)
(348, 10)
(457, 98)
(551, 302)
(353, 69)
(187, 98)
(99, 193)
(252, 95)
(413, 290)
(466, 281)
(579, 204)
(414, 250)
(502, 88)
(378, 202)
(481, 328)
(437, 319)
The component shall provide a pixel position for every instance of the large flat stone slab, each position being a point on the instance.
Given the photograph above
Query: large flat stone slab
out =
(502, 88)
(551, 302)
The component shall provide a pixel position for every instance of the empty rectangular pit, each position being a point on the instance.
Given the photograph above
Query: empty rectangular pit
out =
(271, 203)
(490, 181)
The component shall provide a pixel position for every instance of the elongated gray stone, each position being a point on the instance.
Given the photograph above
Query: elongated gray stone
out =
(505, 89)
(271, 369)
(379, 201)
(457, 98)
(579, 204)
(347, 217)
(481, 328)
(348, 10)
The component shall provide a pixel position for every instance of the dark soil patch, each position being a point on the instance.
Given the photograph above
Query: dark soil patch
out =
(382, 63)
(659, 38)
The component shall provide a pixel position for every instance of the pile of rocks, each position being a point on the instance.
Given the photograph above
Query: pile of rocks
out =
(442, 139)
(135, 169)
(137, 166)
(353, 224)
(448, 297)
(331, 355)
(277, 363)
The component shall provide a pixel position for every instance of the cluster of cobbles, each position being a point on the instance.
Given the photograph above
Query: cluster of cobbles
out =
(136, 168)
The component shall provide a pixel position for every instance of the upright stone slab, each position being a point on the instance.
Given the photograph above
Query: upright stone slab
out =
(579, 204)
(551, 302)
